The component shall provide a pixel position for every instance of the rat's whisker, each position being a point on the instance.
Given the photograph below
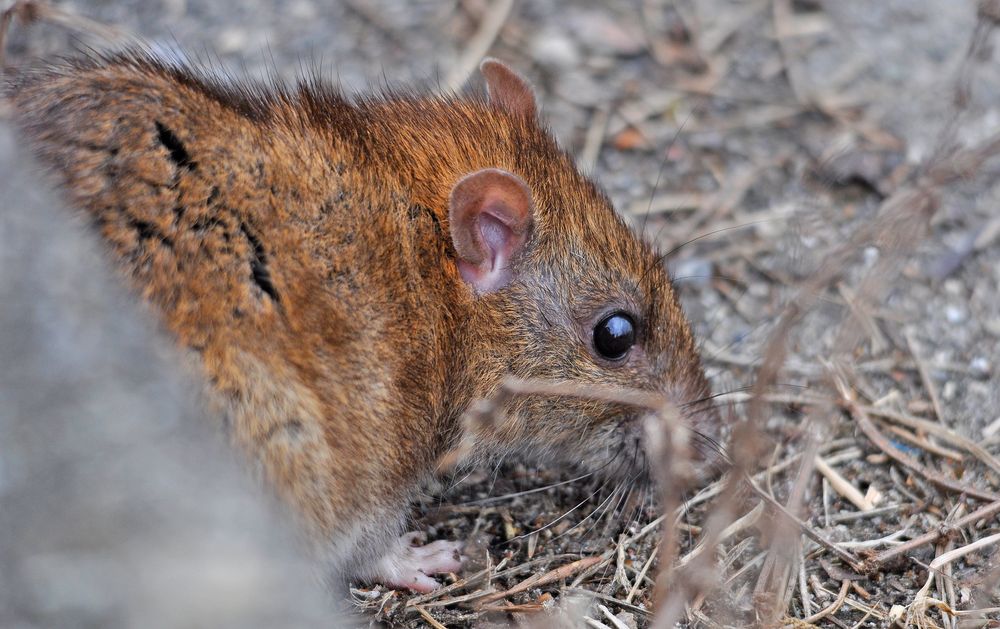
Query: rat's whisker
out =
(590, 516)
(534, 490)
(658, 260)
(719, 317)
(453, 483)
(700, 438)
(659, 173)
(712, 276)
(496, 472)
(606, 507)
(606, 514)
(562, 517)
(714, 397)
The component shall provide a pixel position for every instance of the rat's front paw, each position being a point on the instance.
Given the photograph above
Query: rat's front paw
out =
(409, 565)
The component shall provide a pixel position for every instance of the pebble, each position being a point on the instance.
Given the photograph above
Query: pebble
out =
(761, 290)
(554, 48)
(232, 39)
(953, 287)
(948, 390)
(955, 313)
(980, 367)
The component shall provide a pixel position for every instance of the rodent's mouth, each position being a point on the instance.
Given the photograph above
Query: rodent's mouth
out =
(637, 451)
(631, 463)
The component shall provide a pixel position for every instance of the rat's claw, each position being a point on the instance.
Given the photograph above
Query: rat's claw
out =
(409, 565)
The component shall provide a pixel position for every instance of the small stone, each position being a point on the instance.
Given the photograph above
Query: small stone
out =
(955, 314)
(761, 290)
(232, 39)
(553, 47)
(627, 619)
(949, 390)
(980, 367)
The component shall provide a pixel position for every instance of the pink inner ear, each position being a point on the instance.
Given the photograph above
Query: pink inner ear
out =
(495, 235)
(490, 216)
(498, 243)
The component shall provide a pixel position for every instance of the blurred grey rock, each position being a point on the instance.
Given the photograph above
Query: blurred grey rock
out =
(949, 390)
(955, 313)
(232, 39)
(552, 47)
(980, 367)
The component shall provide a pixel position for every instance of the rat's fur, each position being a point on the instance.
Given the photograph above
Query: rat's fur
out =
(299, 243)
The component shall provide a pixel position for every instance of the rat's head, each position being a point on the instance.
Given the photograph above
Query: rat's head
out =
(564, 292)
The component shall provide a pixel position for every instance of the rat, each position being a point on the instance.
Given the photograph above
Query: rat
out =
(353, 274)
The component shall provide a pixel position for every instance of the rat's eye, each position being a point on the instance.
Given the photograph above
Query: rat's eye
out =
(614, 335)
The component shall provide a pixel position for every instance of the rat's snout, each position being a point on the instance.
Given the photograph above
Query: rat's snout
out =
(701, 418)
(689, 429)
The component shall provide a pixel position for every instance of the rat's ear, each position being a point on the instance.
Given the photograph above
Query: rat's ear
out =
(507, 88)
(490, 215)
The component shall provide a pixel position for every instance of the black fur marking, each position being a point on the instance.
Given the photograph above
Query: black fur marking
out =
(434, 219)
(416, 212)
(145, 229)
(148, 231)
(208, 223)
(178, 154)
(258, 265)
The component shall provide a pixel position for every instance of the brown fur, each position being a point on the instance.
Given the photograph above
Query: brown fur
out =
(299, 243)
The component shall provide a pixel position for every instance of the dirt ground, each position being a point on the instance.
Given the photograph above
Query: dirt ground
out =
(835, 157)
